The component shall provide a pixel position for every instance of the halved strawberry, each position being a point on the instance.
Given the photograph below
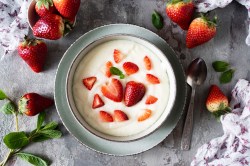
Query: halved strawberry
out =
(151, 100)
(97, 102)
(134, 92)
(130, 68)
(118, 56)
(108, 66)
(147, 63)
(89, 82)
(113, 90)
(152, 79)
(120, 116)
(145, 115)
(105, 117)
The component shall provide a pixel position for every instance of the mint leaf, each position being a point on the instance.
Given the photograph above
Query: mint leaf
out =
(50, 133)
(220, 66)
(40, 138)
(40, 120)
(16, 140)
(8, 108)
(2, 95)
(32, 159)
(157, 20)
(226, 76)
(50, 126)
(116, 71)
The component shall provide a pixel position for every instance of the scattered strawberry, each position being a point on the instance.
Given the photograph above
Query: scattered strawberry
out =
(105, 117)
(147, 63)
(151, 100)
(152, 79)
(89, 82)
(50, 27)
(97, 102)
(44, 7)
(118, 56)
(180, 12)
(113, 90)
(108, 66)
(200, 31)
(32, 103)
(145, 115)
(134, 92)
(130, 68)
(33, 52)
(67, 8)
(120, 116)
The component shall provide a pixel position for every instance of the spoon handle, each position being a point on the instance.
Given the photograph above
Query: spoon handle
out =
(188, 126)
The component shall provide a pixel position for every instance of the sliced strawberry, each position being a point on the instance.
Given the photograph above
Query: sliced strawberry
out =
(97, 102)
(113, 90)
(147, 63)
(134, 92)
(105, 117)
(151, 100)
(118, 56)
(120, 116)
(89, 82)
(145, 115)
(130, 68)
(108, 66)
(152, 79)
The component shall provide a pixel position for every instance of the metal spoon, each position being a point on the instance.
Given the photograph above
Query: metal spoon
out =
(196, 75)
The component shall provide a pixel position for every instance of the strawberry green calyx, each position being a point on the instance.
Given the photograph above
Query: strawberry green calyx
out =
(177, 1)
(45, 3)
(211, 23)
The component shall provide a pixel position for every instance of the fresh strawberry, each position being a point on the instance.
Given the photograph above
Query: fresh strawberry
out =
(134, 92)
(33, 52)
(152, 79)
(113, 90)
(147, 63)
(108, 66)
(89, 82)
(145, 115)
(33, 103)
(181, 12)
(67, 8)
(200, 31)
(105, 116)
(50, 27)
(216, 100)
(44, 7)
(130, 68)
(118, 56)
(97, 102)
(120, 116)
(151, 100)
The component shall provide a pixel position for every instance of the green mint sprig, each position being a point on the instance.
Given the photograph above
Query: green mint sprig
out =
(227, 74)
(157, 20)
(118, 72)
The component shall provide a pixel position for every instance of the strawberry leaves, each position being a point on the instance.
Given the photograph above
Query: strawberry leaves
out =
(2, 95)
(16, 140)
(220, 66)
(227, 75)
(157, 20)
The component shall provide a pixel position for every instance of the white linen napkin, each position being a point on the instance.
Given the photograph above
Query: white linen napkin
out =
(233, 148)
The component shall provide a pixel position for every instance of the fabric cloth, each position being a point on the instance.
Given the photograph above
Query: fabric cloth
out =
(233, 148)
(207, 5)
(13, 24)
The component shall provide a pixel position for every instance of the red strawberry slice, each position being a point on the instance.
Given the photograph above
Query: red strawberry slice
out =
(145, 115)
(134, 92)
(120, 116)
(113, 90)
(118, 56)
(147, 63)
(105, 117)
(152, 79)
(130, 68)
(108, 66)
(89, 82)
(151, 100)
(97, 102)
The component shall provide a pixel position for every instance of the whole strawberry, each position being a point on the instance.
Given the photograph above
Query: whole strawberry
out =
(44, 7)
(134, 92)
(32, 104)
(50, 27)
(180, 12)
(33, 52)
(67, 8)
(200, 31)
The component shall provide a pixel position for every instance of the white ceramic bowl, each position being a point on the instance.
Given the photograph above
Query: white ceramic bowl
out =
(156, 51)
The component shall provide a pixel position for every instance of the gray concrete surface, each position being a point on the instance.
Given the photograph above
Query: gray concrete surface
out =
(229, 44)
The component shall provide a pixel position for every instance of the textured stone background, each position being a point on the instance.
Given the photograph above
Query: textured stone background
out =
(229, 44)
